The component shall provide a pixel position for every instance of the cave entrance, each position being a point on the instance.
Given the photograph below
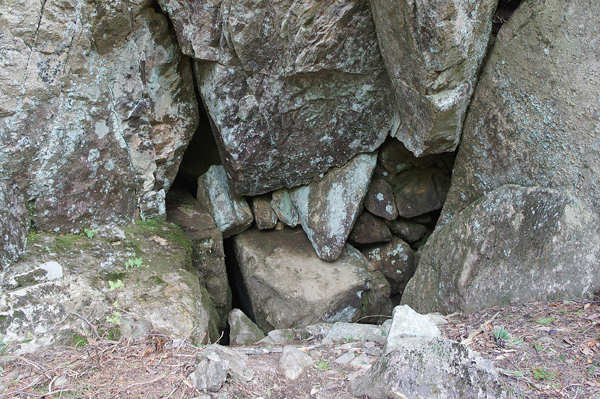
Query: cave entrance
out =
(504, 10)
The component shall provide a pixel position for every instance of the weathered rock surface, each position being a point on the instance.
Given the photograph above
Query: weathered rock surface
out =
(293, 362)
(514, 245)
(408, 325)
(281, 202)
(289, 286)
(436, 369)
(264, 215)
(96, 107)
(208, 256)
(396, 260)
(294, 88)
(534, 116)
(369, 229)
(14, 224)
(121, 290)
(418, 191)
(216, 363)
(358, 332)
(328, 209)
(242, 329)
(407, 230)
(230, 212)
(380, 199)
(432, 51)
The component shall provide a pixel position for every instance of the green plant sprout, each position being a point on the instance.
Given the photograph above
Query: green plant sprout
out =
(133, 263)
(90, 233)
(323, 364)
(115, 285)
(542, 374)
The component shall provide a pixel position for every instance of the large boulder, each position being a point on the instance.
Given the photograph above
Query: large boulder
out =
(294, 88)
(289, 286)
(97, 105)
(534, 117)
(396, 260)
(328, 209)
(14, 224)
(140, 284)
(432, 51)
(514, 245)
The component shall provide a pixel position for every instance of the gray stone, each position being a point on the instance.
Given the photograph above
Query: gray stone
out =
(97, 106)
(242, 329)
(328, 209)
(432, 51)
(515, 245)
(409, 325)
(369, 229)
(294, 88)
(14, 224)
(396, 260)
(281, 202)
(346, 332)
(407, 230)
(208, 256)
(380, 199)
(534, 119)
(209, 375)
(293, 362)
(230, 212)
(289, 286)
(436, 369)
(236, 361)
(418, 191)
(264, 215)
(64, 277)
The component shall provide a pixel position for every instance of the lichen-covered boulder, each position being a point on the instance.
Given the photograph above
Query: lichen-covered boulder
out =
(264, 215)
(289, 286)
(126, 288)
(328, 209)
(369, 229)
(380, 199)
(294, 88)
(396, 260)
(14, 224)
(534, 117)
(420, 190)
(514, 245)
(97, 105)
(432, 51)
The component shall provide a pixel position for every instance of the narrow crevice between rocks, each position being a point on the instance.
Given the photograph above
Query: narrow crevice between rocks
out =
(504, 10)
(239, 291)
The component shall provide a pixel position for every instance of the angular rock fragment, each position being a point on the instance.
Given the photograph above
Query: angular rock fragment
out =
(418, 191)
(281, 202)
(289, 286)
(432, 51)
(242, 329)
(230, 212)
(409, 325)
(264, 215)
(407, 230)
(369, 229)
(293, 362)
(328, 209)
(514, 245)
(396, 260)
(380, 199)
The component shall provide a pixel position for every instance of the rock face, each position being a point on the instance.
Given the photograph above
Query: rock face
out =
(534, 117)
(436, 369)
(230, 212)
(432, 51)
(123, 292)
(294, 88)
(396, 260)
(328, 209)
(96, 107)
(516, 244)
(14, 224)
(289, 286)
(418, 191)
(208, 256)
(242, 329)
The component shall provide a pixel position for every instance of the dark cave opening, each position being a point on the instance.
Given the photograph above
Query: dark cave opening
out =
(504, 10)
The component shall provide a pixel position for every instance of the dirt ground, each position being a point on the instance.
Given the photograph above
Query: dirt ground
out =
(547, 350)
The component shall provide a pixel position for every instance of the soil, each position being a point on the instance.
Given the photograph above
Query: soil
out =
(547, 350)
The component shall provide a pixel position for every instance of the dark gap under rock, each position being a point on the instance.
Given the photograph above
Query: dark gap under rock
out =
(240, 297)
(503, 12)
